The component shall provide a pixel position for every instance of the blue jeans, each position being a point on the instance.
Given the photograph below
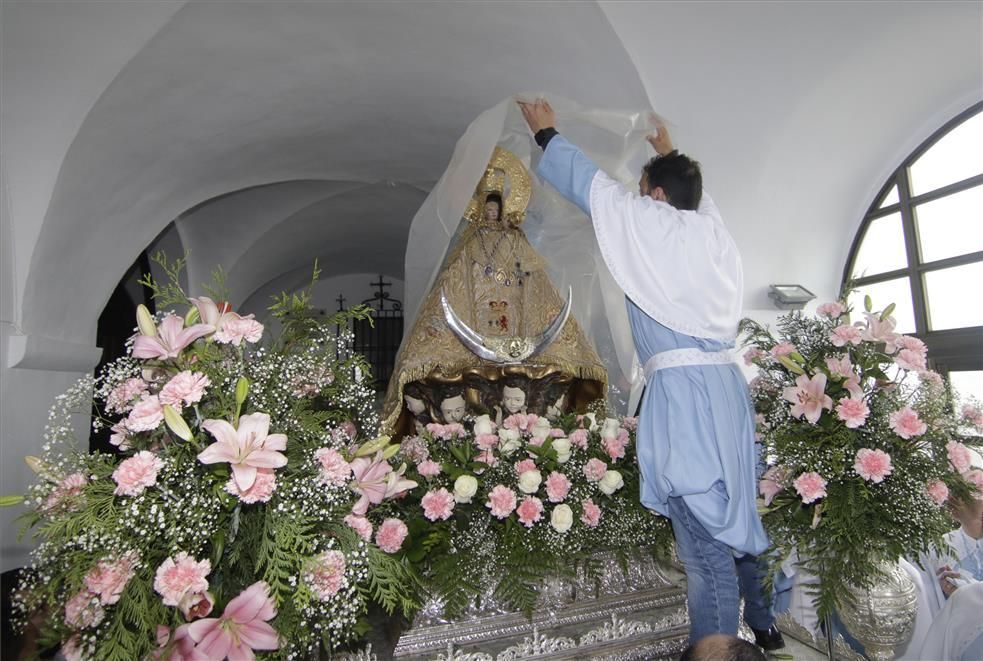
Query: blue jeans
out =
(715, 580)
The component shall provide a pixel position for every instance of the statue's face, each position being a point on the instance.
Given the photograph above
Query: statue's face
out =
(513, 399)
(492, 211)
(415, 406)
(453, 408)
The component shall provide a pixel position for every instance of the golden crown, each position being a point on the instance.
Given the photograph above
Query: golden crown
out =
(493, 181)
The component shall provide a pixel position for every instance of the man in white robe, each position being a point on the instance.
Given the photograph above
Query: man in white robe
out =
(668, 249)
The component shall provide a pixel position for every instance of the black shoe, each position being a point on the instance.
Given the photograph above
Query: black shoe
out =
(768, 639)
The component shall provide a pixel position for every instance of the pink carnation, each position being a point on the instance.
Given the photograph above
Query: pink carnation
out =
(630, 423)
(753, 354)
(845, 334)
(414, 448)
(937, 491)
(428, 468)
(782, 349)
(108, 578)
(910, 360)
(905, 423)
(831, 310)
(261, 490)
(121, 397)
(614, 447)
(68, 492)
(237, 329)
(445, 432)
(184, 388)
(146, 415)
(344, 432)
(501, 501)
(579, 438)
(592, 514)
(487, 457)
(135, 474)
(438, 504)
(909, 343)
(334, 469)
(530, 511)
(390, 535)
(360, 525)
(521, 421)
(326, 574)
(853, 412)
(975, 477)
(486, 441)
(524, 465)
(594, 470)
(959, 456)
(973, 415)
(810, 486)
(180, 576)
(872, 465)
(931, 378)
(83, 610)
(557, 487)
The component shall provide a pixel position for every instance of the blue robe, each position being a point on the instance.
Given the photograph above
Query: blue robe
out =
(696, 427)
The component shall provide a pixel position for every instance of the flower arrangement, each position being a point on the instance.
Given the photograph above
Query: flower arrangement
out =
(504, 507)
(237, 516)
(862, 444)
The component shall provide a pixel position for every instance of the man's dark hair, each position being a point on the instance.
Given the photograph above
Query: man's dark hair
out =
(723, 648)
(679, 176)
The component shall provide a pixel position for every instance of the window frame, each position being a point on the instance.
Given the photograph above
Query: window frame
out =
(954, 349)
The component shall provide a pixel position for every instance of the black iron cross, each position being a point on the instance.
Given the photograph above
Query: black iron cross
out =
(519, 274)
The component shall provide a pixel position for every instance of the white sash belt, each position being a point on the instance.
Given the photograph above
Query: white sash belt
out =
(684, 357)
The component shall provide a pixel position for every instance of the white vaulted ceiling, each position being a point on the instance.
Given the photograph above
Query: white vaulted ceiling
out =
(275, 133)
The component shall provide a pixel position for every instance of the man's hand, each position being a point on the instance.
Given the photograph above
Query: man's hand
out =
(660, 140)
(539, 114)
(945, 574)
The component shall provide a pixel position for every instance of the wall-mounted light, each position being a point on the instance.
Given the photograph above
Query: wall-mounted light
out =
(789, 297)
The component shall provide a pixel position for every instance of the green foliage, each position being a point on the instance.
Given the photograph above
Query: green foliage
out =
(170, 293)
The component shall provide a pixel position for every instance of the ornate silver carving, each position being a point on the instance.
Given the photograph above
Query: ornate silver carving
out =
(789, 626)
(883, 617)
(641, 615)
(505, 350)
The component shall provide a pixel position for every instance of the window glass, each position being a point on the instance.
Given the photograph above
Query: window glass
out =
(955, 297)
(951, 225)
(882, 248)
(956, 156)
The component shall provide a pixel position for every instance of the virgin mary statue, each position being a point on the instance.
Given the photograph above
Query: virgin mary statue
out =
(493, 334)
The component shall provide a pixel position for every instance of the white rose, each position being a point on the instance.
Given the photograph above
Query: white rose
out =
(511, 441)
(610, 428)
(611, 482)
(562, 518)
(482, 425)
(464, 488)
(541, 429)
(562, 447)
(592, 418)
(529, 481)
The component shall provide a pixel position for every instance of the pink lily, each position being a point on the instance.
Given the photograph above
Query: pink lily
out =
(809, 397)
(375, 480)
(212, 313)
(242, 628)
(247, 448)
(171, 339)
(182, 647)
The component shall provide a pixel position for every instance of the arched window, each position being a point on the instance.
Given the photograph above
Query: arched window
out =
(921, 246)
